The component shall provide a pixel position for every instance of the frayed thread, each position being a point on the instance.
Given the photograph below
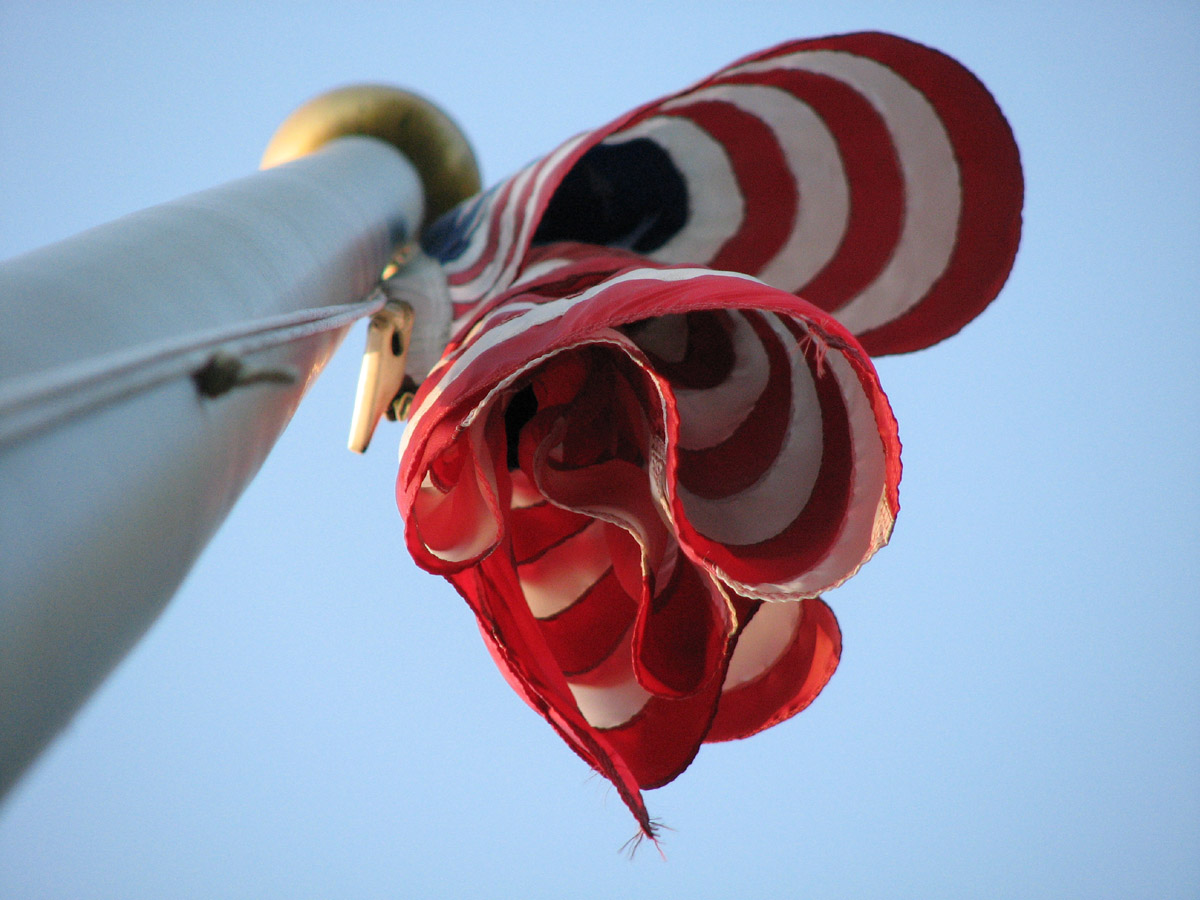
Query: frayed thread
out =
(653, 831)
(814, 345)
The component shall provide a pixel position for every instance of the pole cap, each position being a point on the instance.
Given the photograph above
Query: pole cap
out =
(429, 138)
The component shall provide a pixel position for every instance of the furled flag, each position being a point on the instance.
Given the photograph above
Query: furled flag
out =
(656, 436)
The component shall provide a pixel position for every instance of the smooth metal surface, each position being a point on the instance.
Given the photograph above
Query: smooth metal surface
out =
(115, 467)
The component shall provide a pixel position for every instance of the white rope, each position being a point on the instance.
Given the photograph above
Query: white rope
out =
(32, 403)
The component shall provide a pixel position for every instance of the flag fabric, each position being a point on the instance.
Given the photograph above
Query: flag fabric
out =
(656, 436)
(872, 176)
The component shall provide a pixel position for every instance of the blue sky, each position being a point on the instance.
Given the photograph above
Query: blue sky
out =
(1017, 713)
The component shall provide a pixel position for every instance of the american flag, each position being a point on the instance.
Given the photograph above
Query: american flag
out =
(656, 436)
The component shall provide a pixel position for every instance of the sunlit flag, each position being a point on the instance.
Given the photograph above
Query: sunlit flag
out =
(656, 436)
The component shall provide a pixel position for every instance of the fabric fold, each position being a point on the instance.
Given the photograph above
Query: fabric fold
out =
(614, 599)
(656, 437)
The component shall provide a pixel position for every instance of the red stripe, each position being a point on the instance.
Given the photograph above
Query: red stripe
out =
(746, 455)
(587, 632)
(709, 356)
(872, 173)
(992, 191)
(662, 740)
(539, 529)
(679, 643)
(812, 534)
(491, 228)
(767, 187)
(521, 207)
(681, 634)
(790, 684)
(520, 652)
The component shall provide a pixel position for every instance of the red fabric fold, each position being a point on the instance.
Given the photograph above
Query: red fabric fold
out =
(641, 470)
(607, 607)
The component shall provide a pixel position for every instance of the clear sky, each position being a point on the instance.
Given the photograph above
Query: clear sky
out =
(1017, 712)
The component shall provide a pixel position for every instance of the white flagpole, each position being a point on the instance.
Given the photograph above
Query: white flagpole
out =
(148, 366)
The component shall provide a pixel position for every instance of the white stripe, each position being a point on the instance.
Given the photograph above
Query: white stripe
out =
(514, 207)
(762, 642)
(715, 205)
(812, 157)
(868, 521)
(709, 416)
(563, 574)
(505, 224)
(933, 195)
(609, 706)
(860, 537)
(477, 235)
(663, 336)
(538, 269)
(524, 493)
(619, 697)
(511, 262)
(478, 533)
(538, 314)
(507, 309)
(768, 506)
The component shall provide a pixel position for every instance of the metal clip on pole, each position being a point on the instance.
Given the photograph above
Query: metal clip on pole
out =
(404, 340)
(449, 174)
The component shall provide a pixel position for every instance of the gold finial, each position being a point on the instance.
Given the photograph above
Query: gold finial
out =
(433, 143)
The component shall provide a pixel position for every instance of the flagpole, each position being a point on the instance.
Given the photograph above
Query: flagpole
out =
(148, 366)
